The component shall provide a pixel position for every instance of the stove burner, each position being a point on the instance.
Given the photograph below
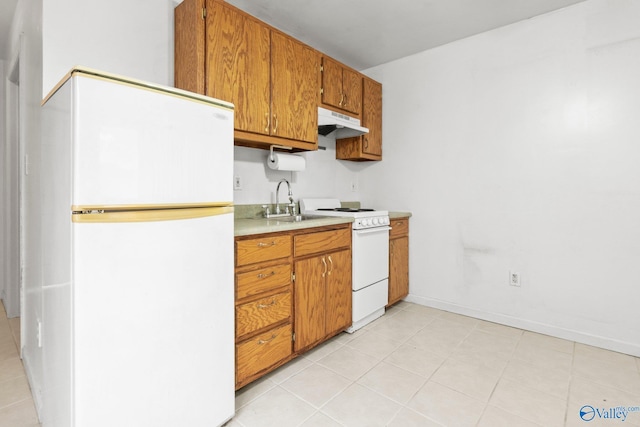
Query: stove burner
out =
(346, 210)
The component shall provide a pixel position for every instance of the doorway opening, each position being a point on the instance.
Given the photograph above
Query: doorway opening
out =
(12, 197)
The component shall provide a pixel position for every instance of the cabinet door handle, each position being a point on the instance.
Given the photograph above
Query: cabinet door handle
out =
(325, 267)
(345, 100)
(265, 245)
(275, 126)
(366, 142)
(266, 117)
(273, 337)
(263, 306)
(264, 276)
(330, 262)
(341, 99)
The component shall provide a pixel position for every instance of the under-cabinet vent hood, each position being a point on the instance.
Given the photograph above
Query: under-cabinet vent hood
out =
(341, 125)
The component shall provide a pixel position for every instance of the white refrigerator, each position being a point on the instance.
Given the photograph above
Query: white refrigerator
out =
(137, 227)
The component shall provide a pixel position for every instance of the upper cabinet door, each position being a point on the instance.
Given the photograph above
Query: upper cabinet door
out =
(294, 83)
(238, 65)
(372, 117)
(332, 83)
(352, 89)
(341, 86)
(189, 38)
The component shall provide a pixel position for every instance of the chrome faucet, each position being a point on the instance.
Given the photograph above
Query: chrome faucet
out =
(291, 205)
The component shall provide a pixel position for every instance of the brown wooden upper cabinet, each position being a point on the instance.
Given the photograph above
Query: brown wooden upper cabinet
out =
(341, 87)
(271, 78)
(367, 146)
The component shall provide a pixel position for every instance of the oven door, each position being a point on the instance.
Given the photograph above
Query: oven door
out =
(370, 254)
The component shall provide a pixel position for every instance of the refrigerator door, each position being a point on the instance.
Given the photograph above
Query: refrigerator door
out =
(153, 322)
(133, 145)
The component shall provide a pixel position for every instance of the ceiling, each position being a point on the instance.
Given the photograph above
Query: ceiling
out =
(365, 33)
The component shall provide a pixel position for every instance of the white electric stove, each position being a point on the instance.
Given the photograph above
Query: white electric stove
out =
(370, 256)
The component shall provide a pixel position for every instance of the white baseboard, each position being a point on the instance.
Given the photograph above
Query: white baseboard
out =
(529, 325)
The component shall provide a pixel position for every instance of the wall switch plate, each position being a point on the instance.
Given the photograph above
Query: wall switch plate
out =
(237, 182)
(514, 278)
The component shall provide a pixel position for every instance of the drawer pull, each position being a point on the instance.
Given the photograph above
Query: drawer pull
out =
(263, 306)
(264, 276)
(265, 245)
(273, 337)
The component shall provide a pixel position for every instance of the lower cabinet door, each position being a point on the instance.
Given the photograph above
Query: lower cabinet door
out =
(310, 291)
(398, 269)
(262, 351)
(338, 291)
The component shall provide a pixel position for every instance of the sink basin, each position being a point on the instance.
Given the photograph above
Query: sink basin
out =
(287, 218)
(294, 218)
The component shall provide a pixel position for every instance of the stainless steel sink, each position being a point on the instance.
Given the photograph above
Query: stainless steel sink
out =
(293, 218)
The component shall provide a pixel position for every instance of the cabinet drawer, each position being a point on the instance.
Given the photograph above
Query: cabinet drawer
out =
(262, 351)
(261, 313)
(399, 227)
(262, 249)
(306, 244)
(262, 280)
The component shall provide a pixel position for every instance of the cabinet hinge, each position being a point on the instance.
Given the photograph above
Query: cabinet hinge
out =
(321, 90)
(293, 336)
(204, 13)
(321, 68)
(293, 277)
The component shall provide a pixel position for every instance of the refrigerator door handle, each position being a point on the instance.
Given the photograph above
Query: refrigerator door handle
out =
(149, 215)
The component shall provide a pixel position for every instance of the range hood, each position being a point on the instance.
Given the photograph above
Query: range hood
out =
(342, 126)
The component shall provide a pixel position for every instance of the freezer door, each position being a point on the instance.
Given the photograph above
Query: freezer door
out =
(153, 322)
(136, 146)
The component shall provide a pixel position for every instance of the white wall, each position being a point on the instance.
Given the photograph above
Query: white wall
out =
(132, 38)
(25, 43)
(324, 176)
(3, 150)
(517, 149)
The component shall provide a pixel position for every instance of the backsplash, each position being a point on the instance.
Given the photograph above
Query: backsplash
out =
(324, 176)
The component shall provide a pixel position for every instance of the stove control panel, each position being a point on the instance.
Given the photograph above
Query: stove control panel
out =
(371, 222)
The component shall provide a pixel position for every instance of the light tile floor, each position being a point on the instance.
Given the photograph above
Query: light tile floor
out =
(418, 366)
(415, 366)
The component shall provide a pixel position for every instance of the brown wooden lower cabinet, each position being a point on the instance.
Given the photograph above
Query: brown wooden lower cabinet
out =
(255, 315)
(263, 351)
(398, 260)
(279, 317)
(323, 297)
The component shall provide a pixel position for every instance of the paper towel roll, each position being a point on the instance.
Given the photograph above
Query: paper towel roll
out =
(286, 162)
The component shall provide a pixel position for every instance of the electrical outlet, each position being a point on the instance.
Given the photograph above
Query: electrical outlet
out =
(514, 278)
(354, 184)
(237, 182)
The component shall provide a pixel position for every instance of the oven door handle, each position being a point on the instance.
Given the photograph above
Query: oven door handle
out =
(372, 230)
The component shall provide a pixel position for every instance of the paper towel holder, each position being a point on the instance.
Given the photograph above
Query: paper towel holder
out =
(271, 147)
